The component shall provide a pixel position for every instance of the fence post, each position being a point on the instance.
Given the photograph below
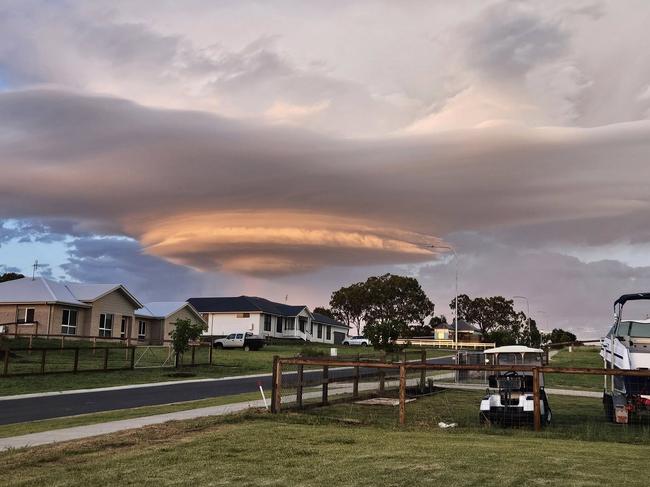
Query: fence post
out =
(133, 357)
(325, 382)
(6, 364)
(43, 360)
(299, 386)
(423, 372)
(94, 344)
(62, 339)
(536, 398)
(30, 342)
(76, 361)
(355, 385)
(402, 395)
(210, 352)
(382, 375)
(276, 396)
(106, 351)
(193, 354)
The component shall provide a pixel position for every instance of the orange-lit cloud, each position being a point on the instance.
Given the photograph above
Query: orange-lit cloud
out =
(270, 242)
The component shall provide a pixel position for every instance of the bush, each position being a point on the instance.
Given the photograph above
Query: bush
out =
(308, 351)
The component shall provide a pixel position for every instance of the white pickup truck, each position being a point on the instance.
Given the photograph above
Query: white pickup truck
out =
(244, 340)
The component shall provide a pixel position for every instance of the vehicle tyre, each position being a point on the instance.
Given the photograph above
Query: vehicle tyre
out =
(364, 344)
(608, 404)
(218, 346)
(346, 344)
(247, 348)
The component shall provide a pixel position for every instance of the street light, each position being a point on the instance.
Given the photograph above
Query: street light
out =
(449, 247)
(527, 307)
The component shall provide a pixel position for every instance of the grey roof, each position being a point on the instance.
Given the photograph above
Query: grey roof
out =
(162, 309)
(41, 290)
(326, 320)
(462, 326)
(243, 304)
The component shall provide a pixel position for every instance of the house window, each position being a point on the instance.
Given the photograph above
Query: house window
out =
(142, 330)
(105, 325)
(289, 323)
(243, 315)
(328, 334)
(69, 322)
(25, 315)
(320, 331)
(267, 322)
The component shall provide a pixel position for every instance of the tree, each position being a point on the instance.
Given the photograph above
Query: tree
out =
(531, 336)
(324, 311)
(558, 335)
(488, 314)
(10, 276)
(183, 333)
(393, 303)
(349, 305)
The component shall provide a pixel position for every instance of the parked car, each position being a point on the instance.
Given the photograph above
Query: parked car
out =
(244, 340)
(359, 341)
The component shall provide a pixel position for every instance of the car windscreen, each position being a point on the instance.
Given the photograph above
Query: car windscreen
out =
(517, 359)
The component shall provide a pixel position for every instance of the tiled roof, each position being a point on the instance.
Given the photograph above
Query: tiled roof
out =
(242, 304)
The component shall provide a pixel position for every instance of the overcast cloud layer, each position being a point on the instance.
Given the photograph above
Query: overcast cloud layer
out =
(317, 145)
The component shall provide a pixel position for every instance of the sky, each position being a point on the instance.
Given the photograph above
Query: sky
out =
(287, 148)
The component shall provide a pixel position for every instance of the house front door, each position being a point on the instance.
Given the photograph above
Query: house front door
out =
(278, 325)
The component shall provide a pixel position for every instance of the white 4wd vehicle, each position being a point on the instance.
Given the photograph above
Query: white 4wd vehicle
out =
(245, 340)
(358, 341)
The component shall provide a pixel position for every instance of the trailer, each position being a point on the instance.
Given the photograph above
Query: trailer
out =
(627, 347)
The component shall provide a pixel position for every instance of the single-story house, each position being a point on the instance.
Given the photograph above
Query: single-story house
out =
(42, 306)
(466, 332)
(155, 320)
(226, 315)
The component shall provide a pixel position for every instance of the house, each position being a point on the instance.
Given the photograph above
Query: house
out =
(269, 319)
(155, 320)
(466, 332)
(42, 306)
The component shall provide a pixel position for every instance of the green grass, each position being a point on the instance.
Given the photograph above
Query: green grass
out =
(258, 449)
(86, 419)
(226, 363)
(580, 357)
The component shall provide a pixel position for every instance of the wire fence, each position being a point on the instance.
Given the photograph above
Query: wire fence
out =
(23, 361)
(463, 397)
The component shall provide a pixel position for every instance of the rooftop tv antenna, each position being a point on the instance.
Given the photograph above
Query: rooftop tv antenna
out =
(35, 268)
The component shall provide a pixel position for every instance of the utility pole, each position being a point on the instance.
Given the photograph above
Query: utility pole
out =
(527, 309)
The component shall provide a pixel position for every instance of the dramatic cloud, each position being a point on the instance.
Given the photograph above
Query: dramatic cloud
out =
(330, 140)
(191, 186)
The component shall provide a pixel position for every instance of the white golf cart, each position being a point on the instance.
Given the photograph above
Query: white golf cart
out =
(627, 347)
(509, 399)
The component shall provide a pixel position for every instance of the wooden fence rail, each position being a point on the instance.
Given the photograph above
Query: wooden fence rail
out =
(405, 367)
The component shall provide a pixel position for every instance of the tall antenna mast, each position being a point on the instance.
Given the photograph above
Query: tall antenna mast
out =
(35, 268)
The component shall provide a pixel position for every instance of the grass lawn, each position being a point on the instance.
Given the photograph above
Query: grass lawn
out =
(258, 449)
(580, 357)
(225, 363)
(85, 419)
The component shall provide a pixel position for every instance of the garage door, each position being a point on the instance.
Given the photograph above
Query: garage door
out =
(338, 337)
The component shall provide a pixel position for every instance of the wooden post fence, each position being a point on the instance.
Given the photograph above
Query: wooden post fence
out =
(423, 372)
(325, 384)
(133, 358)
(6, 362)
(536, 399)
(276, 398)
(193, 354)
(299, 386)
(43, 360)
(106, 352)
(210, 353)
(402, 395)
(75, 367)
(382, 375)
(355, 385)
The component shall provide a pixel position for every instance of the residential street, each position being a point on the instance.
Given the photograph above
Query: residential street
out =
(71, 404)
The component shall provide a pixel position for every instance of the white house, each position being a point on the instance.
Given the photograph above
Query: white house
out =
(226, 315)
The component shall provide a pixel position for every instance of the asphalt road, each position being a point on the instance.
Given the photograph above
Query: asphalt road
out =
(60, 405)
